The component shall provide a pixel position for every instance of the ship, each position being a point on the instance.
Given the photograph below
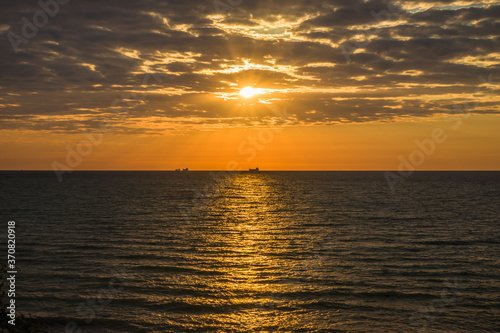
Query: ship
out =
(254, 170)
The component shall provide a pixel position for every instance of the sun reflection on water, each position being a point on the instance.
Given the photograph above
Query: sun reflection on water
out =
(252, 239)
(250, 255)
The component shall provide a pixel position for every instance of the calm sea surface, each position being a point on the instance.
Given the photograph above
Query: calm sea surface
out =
(256, 252)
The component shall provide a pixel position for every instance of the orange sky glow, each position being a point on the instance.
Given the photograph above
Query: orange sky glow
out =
(307, 86)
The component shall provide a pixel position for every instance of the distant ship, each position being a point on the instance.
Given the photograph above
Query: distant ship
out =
(254, 170)
(179, 170)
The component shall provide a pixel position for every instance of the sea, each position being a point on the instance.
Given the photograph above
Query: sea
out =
(255, 251)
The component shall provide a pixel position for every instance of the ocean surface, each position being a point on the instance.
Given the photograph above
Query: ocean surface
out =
(256, 252)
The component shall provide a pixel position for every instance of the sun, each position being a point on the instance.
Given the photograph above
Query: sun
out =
(249, 92)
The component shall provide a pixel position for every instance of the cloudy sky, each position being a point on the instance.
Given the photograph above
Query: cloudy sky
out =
(336, 84)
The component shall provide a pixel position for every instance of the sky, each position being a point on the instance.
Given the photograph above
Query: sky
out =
(236, 84)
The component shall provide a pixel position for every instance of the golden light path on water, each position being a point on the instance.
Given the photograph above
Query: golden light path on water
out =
(255, 240)
(250, 245)
(251, 237)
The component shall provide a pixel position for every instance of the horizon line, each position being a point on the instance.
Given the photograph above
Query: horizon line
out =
(236, 171)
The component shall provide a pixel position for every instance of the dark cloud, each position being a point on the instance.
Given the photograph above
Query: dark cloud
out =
(330, 61)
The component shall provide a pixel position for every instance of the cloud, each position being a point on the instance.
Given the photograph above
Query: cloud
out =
(403, 60)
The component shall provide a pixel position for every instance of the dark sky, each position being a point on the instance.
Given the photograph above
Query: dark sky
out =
(330, 61)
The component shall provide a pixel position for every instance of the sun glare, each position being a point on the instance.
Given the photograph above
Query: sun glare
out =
(248, 92)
